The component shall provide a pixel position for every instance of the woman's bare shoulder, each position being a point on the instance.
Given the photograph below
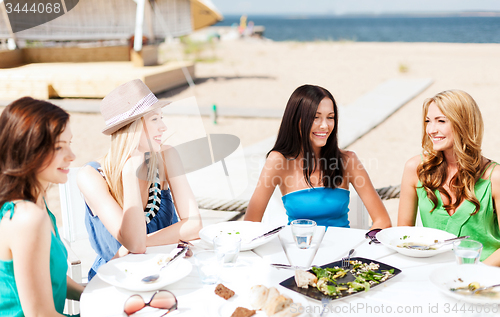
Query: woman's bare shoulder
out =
(349, 155)
(89, 177)
(28, 215)
(276, 163)
(413, 163)
(276, 156)
(494, 173)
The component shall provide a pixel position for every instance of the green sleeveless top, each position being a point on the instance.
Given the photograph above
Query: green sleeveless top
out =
(9, 297)
(482, 227)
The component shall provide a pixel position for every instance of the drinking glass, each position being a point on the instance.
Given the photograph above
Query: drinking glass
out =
(227, 249)
(302, 258)
(208, 266)
(467, 251)
(303, 231)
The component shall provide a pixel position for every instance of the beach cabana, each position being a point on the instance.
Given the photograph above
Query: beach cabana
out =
(97, 20)
(103, 31)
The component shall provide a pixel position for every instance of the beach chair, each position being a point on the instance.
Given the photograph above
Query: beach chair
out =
(73, 231)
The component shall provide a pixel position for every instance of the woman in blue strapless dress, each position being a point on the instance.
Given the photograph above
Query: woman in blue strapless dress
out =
(311, 171)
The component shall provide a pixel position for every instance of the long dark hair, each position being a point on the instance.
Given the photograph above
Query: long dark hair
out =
(28, 132)
(293, 136)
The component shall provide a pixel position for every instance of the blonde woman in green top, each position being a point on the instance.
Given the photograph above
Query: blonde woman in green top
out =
(35, 151)
(454, 186)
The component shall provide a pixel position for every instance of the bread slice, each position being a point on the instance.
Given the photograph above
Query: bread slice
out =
(303, 279)
(293, 310)
(224, 292)
(281, 302)
(258, 296)
(243, 312)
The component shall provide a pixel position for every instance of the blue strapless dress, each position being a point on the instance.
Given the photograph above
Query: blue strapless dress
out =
(328, 207)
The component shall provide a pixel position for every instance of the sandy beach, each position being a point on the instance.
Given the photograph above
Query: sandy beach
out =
(262, 74)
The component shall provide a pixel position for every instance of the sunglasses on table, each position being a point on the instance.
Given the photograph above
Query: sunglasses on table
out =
(372, 235)
(161, 299)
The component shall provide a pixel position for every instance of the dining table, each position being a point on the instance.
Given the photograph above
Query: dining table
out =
(410, 293)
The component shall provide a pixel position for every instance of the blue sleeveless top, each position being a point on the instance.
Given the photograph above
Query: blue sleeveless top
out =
(327, 206)
(103, 242)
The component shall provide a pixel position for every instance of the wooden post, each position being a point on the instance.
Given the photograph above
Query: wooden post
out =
(149, 21)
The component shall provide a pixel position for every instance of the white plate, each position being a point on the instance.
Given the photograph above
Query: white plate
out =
(447, 277)
(246, 230)
(220, 307)
(392, 237)
(127, 272)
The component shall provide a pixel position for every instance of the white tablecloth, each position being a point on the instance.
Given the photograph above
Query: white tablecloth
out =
(411, 293)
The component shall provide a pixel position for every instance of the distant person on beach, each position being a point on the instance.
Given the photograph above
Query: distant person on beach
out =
(454, 186)
(135, 195)
(35, 152)
(312, 172)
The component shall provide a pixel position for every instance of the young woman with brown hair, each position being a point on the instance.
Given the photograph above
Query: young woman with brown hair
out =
(312, 172)
(34, 152)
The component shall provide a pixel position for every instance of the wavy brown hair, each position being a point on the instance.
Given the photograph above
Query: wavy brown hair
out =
(467, 126)
(297, 122)
(28, 133)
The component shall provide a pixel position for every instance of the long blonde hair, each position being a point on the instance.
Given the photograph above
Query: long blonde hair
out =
(467, 127)
(123, 143)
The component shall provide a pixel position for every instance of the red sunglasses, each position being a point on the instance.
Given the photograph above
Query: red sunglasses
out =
(161, 299)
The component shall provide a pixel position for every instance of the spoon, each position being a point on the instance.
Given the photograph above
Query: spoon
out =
(154, 277)
(472, 288)
(349, 255)
(474, 292)
(439, 243)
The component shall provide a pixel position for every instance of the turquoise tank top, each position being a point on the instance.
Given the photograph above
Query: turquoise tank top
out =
(328, 207)
(482, 227)
(9, 297)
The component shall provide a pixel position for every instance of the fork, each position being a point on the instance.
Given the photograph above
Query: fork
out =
(346, 261)
(325, 300)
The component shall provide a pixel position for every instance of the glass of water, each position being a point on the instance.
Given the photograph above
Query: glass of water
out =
(467, 251)
(208, 266)
(303, 231)
(227, 249)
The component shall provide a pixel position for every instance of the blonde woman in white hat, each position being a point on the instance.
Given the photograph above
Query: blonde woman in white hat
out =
(128, 193)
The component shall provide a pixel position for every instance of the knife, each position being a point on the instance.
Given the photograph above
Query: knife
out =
(291, 267)
(276, 230)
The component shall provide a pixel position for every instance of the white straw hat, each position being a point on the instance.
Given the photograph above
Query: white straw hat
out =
(127, 103)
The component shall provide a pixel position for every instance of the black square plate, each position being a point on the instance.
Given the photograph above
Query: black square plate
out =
(314, 293)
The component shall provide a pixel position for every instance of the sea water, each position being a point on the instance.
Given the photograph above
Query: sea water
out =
(467, 256)
(450, 29)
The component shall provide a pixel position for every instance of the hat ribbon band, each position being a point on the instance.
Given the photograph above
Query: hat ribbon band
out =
(139, 107)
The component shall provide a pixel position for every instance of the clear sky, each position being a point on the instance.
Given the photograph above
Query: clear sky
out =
(352, 6)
